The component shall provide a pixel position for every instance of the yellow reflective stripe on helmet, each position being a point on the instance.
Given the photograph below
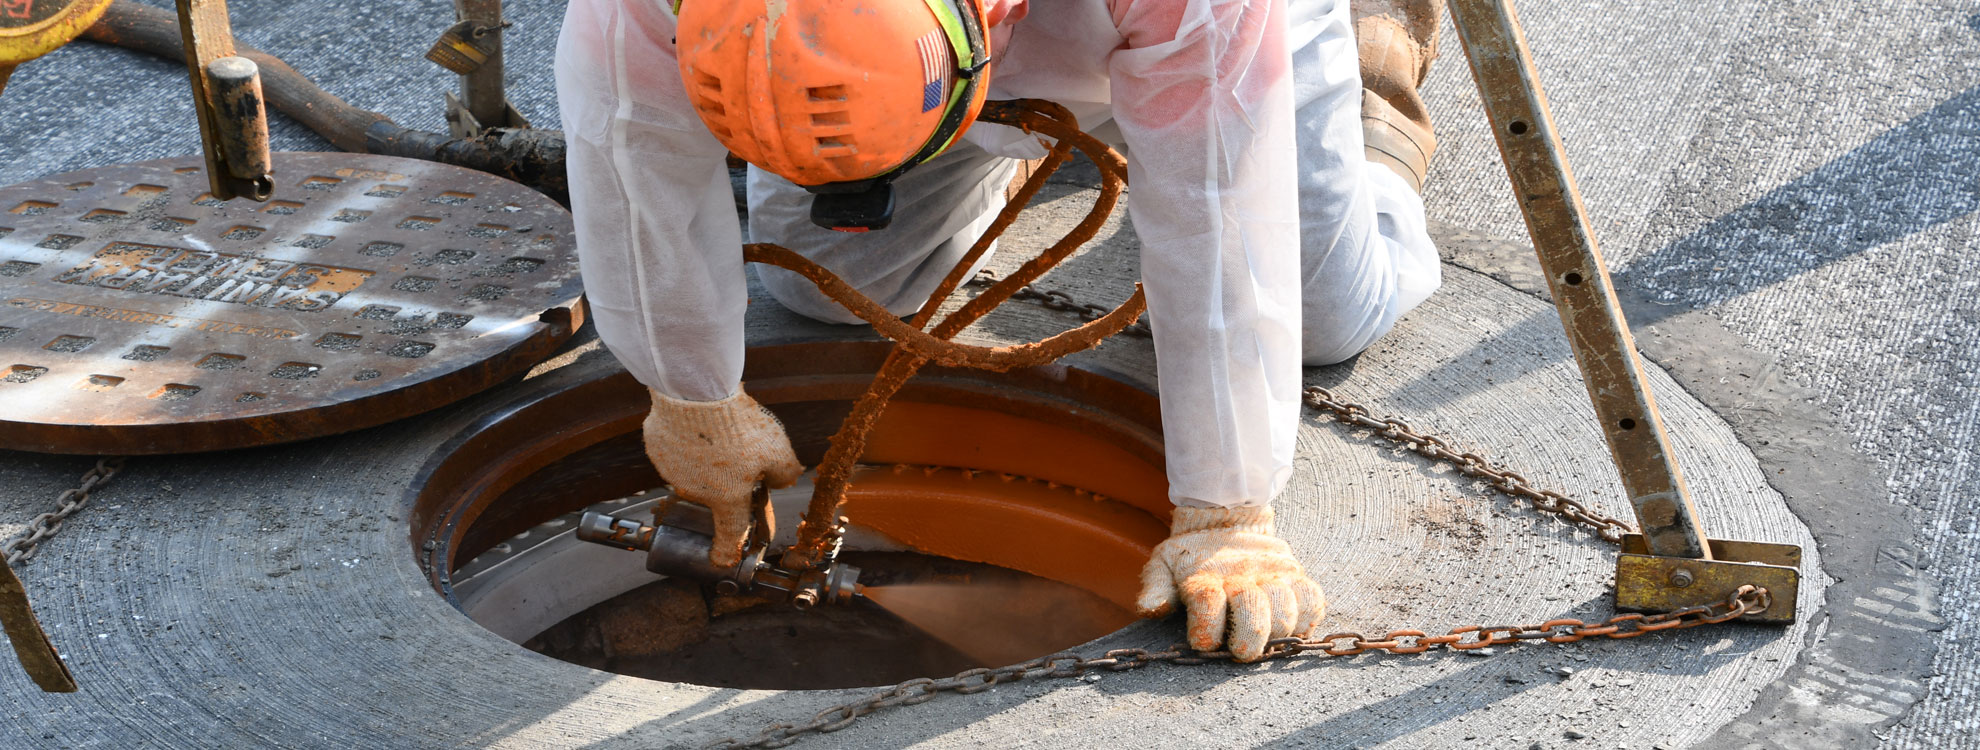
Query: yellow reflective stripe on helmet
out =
(952, 26)
(955, 100)
(965, 58)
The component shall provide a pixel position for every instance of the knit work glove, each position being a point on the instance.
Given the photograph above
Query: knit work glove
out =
(1227, 568)
(713, 453)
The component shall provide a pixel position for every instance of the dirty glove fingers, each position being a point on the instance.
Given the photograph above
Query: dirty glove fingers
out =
(731, 522)
(1158, 589)
(1285, 607)
(1251, 623)
(714, 453)
(1204, 595)
(781, 468)
(1312, 607)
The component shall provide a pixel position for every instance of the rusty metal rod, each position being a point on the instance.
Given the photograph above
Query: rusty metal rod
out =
(529, 156)
(818, 533)
(1576, 275)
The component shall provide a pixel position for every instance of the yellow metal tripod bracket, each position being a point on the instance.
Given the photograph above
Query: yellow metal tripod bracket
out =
(1671, 565)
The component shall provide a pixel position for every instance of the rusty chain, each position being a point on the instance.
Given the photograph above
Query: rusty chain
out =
(1474, 465)
(22, 547)
(1504, 481)
(1746, 600)
(1056, 299)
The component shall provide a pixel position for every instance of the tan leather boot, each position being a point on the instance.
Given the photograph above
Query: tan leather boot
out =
(1397, 39)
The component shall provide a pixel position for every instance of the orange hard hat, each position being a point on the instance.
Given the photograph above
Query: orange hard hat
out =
(838, 96)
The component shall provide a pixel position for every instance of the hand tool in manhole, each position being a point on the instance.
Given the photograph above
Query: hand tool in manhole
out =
(32, 28)
(808, 572)
(140, 315)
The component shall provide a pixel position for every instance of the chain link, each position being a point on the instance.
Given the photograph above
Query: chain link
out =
(1060, 300)
(1505, 481)
(1745, 601)
(22, 547)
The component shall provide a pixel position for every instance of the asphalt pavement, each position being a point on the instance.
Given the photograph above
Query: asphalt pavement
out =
(1808, 173)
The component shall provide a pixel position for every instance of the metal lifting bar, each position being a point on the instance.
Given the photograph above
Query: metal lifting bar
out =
(233, 122)
(1671, 564)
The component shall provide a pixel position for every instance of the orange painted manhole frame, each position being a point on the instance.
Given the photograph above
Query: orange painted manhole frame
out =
(1055, 471)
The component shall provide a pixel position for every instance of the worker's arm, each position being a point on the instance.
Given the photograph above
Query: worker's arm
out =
(1202, 92)
(1203, 97)
(661, 255)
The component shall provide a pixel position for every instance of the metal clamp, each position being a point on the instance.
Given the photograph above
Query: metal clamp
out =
(679, 545)
(1658, 583)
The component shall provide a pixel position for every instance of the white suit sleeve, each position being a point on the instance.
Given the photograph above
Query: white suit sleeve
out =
(658, 241)
(1202, 92)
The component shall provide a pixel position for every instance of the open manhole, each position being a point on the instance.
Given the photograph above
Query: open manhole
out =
(140, 315)
(999, 517)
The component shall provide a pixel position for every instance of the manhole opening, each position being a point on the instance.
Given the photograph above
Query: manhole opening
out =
(999, 517)
(679, 631)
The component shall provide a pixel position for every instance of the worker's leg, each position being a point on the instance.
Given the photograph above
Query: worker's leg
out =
(1366, 254)
(940, 208)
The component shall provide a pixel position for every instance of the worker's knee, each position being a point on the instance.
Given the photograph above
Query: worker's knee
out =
(1344, 322)
(1327, 340)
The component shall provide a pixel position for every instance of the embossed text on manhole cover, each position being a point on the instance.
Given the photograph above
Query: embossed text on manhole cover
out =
(140, 315)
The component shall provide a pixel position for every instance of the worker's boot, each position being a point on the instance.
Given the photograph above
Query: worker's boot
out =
(1397, 41)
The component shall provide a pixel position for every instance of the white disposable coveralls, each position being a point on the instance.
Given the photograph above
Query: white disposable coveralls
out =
(1257, 213)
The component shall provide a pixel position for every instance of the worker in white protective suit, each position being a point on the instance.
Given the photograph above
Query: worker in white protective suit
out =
(1276, 150)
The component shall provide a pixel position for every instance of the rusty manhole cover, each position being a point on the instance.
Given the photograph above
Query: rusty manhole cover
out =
(142, 316)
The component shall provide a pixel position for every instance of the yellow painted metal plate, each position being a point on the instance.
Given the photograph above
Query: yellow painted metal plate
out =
(32, 28)
(1644, 583)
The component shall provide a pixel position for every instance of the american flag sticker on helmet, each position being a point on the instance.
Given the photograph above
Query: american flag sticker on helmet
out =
(935, 68)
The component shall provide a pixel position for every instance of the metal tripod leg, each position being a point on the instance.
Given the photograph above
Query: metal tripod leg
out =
(472, 48)
(31, 644)
(1671, 565)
